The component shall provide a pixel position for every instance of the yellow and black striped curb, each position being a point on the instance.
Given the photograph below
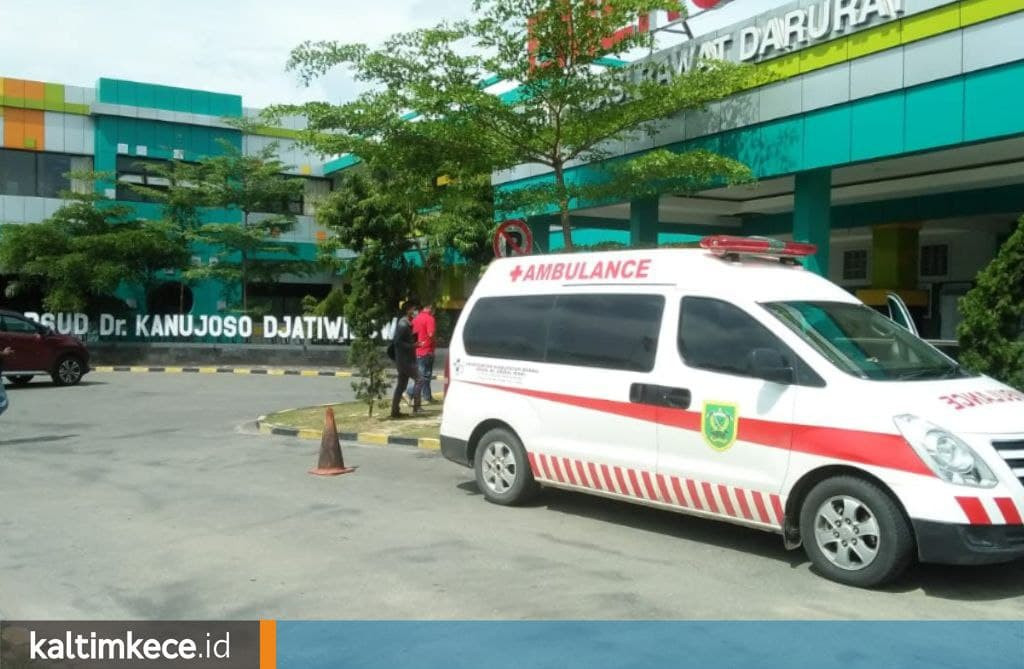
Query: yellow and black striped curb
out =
(365, 438)
(260, 371)
(265, 371)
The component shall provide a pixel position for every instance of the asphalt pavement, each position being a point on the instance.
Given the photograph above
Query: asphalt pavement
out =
(149, 496)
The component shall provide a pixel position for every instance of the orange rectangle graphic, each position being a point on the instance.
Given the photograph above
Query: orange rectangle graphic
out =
(268, 644)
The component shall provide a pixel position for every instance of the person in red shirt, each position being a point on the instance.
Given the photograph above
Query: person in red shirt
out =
(424, 330)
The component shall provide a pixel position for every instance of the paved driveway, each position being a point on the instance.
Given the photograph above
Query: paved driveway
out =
(139, 496)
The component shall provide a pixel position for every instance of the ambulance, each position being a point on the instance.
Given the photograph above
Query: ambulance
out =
(728, 382)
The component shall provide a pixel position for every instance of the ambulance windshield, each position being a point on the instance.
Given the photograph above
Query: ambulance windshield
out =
(862, 342)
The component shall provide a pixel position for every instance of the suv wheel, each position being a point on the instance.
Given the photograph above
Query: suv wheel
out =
(855, 533)
(502, 469)
(69, 371)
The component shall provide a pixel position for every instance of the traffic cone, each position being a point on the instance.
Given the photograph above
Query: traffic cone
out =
(331, 463)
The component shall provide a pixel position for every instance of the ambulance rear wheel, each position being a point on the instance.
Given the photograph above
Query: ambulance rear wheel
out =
(502, 469)
(855, 533)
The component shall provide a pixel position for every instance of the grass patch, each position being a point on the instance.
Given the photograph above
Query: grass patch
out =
(351, 417)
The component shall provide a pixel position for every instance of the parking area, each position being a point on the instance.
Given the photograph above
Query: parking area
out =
(145, 496)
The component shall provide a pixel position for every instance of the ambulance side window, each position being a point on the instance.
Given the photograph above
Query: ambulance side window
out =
(606, 331)
(509, 327)
(719, 336)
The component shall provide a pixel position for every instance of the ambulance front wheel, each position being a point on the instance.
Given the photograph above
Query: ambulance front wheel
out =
(502, 468)
(855, 533)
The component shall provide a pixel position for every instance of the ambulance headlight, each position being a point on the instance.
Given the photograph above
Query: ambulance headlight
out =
(947, 455)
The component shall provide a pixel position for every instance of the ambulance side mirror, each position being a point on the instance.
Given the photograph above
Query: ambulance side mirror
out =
(768, 364)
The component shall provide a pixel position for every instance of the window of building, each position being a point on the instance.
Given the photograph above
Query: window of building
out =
(52, 178)
(17, 172)
(509, 327)
(606, 331)
(720, 337)
(855, 265)
(935, 260)
(34, 173)
(138, 171)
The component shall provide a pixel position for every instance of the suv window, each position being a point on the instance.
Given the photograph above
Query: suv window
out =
(509, 327)
(17, 325)
(606, 331)
(719, 336)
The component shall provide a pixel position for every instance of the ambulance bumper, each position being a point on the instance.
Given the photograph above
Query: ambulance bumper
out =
(948, 543)
(456, 450)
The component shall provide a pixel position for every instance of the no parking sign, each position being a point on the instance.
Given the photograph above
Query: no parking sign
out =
(513, 238)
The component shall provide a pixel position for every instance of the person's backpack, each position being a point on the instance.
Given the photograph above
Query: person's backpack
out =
(391, 350)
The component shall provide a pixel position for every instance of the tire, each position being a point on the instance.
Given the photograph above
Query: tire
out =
(22, 380)
(879, 544)
(502, 469)
(69, 371)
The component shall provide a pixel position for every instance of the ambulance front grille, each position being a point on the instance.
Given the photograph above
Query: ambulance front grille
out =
(1013, 453)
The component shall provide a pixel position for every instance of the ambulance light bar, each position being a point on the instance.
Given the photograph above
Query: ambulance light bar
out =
(731, 245)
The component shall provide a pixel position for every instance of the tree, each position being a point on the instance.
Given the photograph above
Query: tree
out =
(79, 256)
(567, 107)
(992, 330)
(366, 220)
(254, 186)
(181, 201)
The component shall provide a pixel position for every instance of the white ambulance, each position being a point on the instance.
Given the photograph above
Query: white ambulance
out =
(730, 383)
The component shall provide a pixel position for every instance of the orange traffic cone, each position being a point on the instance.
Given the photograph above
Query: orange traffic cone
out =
(331, 463)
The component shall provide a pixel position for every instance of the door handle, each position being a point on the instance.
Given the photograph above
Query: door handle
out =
(677, 398)
(664, 396)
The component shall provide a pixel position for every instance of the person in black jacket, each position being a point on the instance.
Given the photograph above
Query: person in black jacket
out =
(405, 361)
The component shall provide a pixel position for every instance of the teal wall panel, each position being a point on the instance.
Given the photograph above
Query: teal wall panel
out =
(978, 106)
(170, 98)
(877, 127)
(993, 102)
(778, 148)
(935, 115)
(827, 137)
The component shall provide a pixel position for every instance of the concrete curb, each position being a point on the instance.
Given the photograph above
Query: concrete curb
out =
(225, 370)
(363, 438)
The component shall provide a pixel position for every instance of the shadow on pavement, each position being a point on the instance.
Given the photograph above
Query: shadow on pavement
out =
(37, 440)
(11, 388)
(973, 583)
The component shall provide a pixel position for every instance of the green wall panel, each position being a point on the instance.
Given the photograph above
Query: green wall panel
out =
(877, 127)
(935, 115)
(827, 137)
(170, 98)
(993, 102)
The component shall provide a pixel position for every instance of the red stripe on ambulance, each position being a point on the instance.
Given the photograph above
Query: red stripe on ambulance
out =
(867, 448)
(1009, 511)
(723, 492)
(568, 471)
(780, 515)
(974, 510)
(741, 497)
(679, 491)
(594, 477)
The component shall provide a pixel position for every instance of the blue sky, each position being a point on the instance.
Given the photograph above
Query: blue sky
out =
(235, 46)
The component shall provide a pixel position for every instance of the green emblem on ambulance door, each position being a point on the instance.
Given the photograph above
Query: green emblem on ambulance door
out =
(718, 424)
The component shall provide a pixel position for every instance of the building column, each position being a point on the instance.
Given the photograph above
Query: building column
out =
(894, 256)
(540, 229)
(812, 207)
(643, 222)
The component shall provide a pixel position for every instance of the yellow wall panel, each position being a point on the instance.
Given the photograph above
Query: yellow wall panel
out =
(976, 11)
(818, 57)
(875, 40)
(931, 23)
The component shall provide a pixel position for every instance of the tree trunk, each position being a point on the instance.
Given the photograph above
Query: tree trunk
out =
(245, 288)
(181, 296)
(563, 206)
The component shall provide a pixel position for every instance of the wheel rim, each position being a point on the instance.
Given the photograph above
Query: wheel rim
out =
(499, 467)
(69, 371)
(847, 532)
